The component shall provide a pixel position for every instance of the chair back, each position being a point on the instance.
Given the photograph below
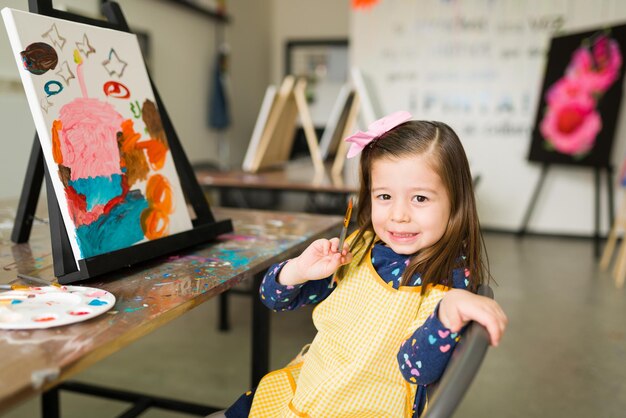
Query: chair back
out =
(445, 395)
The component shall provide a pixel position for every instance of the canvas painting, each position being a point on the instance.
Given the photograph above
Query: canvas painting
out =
(580, 98)
(339, 122)
(273, 134)
(100, 131)
(267, 107)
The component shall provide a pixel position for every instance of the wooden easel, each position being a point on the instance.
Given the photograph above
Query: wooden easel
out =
(277, 138)
(619, 269)
(339, 125)
(205, 227)
(342, 150)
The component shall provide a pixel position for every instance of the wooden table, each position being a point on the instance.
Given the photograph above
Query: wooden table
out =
(149, 296)
(298, 176)
(325, 192)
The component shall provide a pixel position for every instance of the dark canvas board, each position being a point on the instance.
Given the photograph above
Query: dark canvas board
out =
(579, 105)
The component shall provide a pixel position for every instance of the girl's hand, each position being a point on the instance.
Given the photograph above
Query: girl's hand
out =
(320, 260)
(458, 307)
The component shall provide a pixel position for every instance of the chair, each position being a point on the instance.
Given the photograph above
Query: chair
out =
(446, 395)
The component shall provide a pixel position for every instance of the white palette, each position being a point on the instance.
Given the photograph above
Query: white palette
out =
(52, 306)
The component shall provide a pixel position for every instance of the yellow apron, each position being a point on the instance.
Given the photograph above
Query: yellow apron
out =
(350, 369)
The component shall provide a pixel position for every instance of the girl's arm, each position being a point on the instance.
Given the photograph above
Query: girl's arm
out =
(279, 297)
(458, 307)
(424, 355)
(305, 279)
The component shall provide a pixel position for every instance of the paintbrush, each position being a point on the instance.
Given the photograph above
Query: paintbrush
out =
(13, 287)
(34, 279)
(346, 222)
(344, 231)
(28, 278)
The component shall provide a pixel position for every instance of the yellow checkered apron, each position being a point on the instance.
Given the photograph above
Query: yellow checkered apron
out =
(350, 369)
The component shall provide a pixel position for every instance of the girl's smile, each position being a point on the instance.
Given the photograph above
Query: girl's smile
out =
(410, 205)
(402, 236)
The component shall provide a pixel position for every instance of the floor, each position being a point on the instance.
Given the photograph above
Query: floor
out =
(564, 354)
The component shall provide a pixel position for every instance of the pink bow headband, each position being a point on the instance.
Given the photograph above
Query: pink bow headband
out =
(361, 139)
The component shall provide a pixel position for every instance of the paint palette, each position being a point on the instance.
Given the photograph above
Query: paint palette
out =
(51, 306)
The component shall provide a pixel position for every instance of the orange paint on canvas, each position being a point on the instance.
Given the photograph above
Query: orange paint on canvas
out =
(57, 125)
(129, 136)
(157, 151)
(155, 220)
(159, 193)
(131, 157)
(154, 223)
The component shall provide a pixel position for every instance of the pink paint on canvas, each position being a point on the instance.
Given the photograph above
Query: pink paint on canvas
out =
(599, 67)
(571, 126)
(571, 121)
(88, 138)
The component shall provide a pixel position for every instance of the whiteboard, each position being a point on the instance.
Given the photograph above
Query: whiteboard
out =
(478, 66)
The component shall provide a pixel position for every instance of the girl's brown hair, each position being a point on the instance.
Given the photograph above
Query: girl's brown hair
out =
(461, 245)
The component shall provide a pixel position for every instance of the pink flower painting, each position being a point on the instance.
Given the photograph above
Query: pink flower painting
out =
(571, 126)
(597, 67)
(571, 121)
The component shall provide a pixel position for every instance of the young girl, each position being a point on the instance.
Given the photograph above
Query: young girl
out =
(405, 284)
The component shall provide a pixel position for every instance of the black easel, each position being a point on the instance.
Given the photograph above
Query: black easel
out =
(597, 170)
(205, 228)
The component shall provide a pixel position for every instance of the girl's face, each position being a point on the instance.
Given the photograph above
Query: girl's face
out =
(410, 205)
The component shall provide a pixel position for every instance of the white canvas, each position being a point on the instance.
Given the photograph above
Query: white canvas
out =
(100, 131)
(259, 128)
(337, 122)
(370, 106)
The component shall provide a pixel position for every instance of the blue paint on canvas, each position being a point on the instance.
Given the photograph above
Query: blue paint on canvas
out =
(118, 229)
(98, 190)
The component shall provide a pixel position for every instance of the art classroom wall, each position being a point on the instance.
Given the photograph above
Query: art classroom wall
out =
(176, 35)
(478, 65)
(304, 19)
(249, 38)
(184, 48)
